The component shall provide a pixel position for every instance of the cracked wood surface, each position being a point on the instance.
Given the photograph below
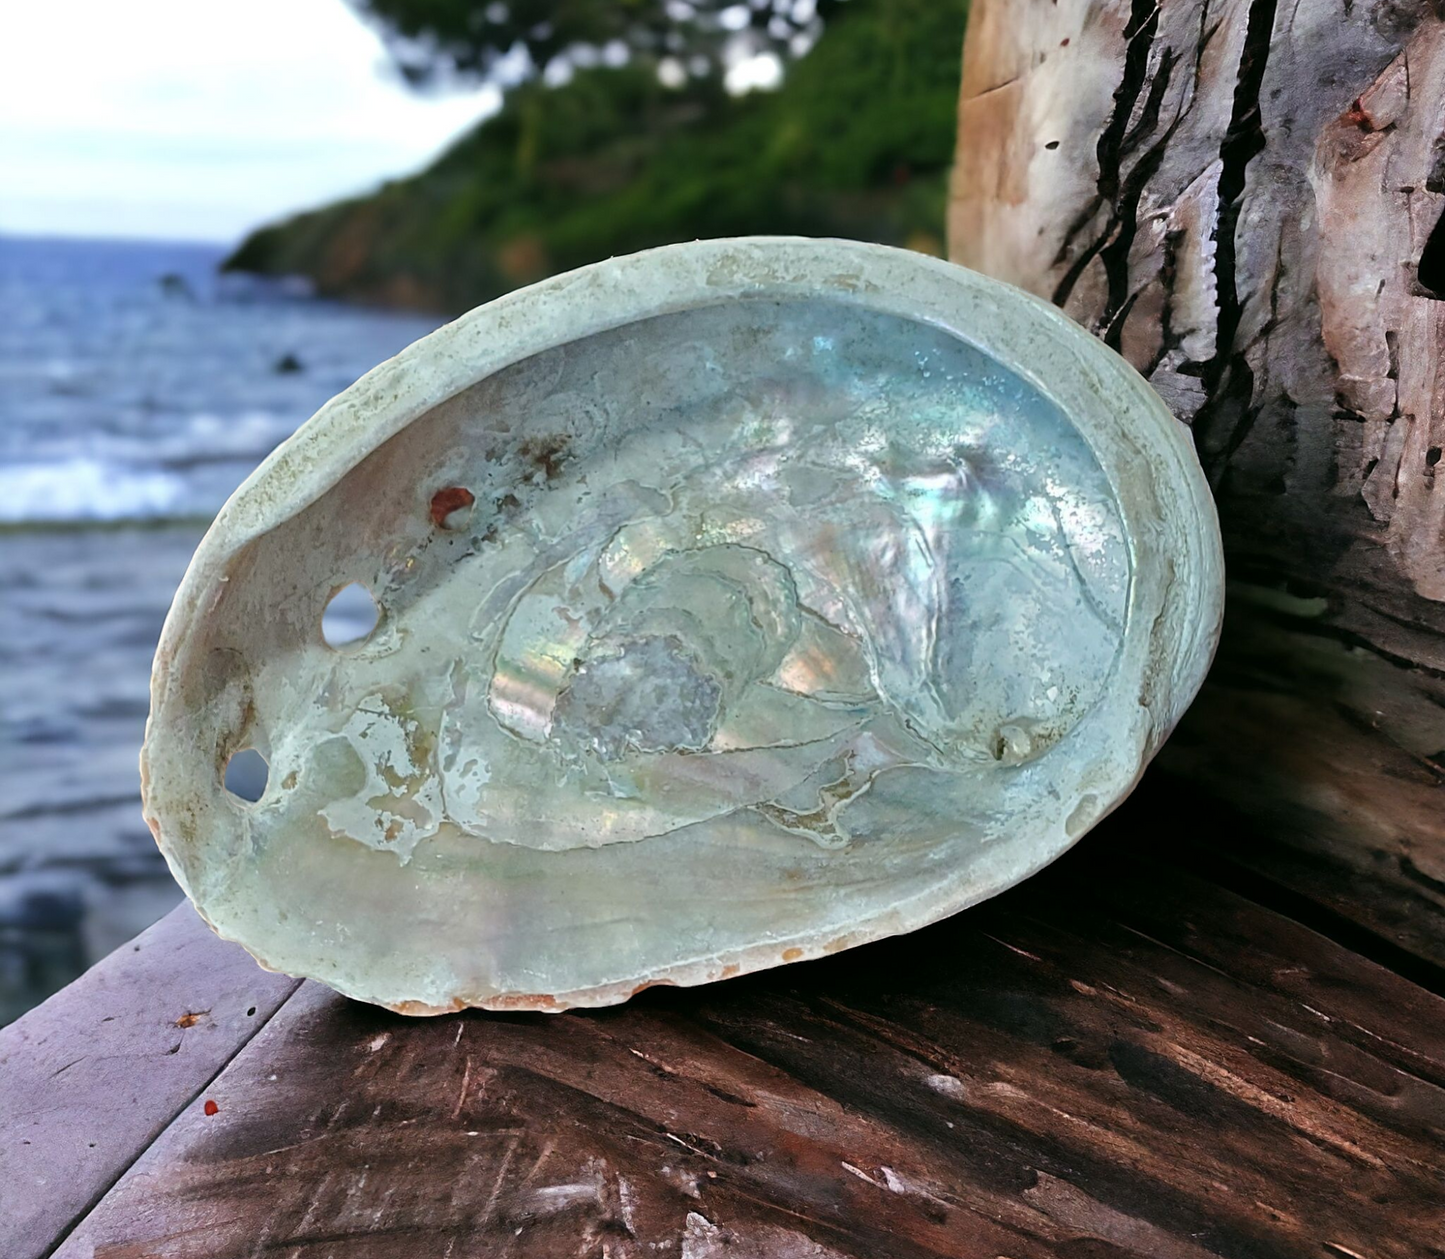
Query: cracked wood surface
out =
(1237, 195)
(1117, 1058)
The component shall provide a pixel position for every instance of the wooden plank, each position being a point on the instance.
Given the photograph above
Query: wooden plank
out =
(1117, 1058)
(89, 1078)
(1318, 768)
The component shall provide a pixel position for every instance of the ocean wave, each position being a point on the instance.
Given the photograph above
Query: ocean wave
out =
(88, 489)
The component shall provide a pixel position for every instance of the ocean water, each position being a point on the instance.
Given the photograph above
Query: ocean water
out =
(138, 388)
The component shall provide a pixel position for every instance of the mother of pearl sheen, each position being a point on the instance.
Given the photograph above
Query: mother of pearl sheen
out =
(803, 592)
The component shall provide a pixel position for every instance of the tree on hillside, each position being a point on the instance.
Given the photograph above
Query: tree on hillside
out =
(856, 141)
(515, 39)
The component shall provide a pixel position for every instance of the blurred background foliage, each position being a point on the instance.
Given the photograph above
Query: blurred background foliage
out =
(619, 131)
(438, 38)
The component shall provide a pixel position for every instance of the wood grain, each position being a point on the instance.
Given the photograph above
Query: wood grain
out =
(1239, 196)
(89, 1078)
(1313, 765)
(1117, 1058)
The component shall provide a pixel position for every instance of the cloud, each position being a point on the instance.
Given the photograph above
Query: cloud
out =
(184, 120)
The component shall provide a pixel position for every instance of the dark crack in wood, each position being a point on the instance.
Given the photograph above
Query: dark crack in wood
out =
(1229, 410)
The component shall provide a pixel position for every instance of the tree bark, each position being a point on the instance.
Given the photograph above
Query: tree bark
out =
(1244, 198)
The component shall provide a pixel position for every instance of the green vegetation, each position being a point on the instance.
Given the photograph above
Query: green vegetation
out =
(857, 142)
(434, 38)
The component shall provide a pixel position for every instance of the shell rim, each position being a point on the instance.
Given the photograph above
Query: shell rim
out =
(1168, 653)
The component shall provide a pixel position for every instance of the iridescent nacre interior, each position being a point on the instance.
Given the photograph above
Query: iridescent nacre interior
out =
(692, 635)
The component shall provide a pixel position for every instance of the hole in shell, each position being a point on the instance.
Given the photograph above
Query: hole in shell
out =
(246, 775)
(350, 616)
(1012, 743)
(451, 508)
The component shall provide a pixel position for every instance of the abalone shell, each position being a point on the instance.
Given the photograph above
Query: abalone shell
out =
(734, 603)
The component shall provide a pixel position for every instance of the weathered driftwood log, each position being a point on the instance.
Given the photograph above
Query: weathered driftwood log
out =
(1244, 197)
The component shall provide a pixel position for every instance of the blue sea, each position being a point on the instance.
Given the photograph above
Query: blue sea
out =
(138, 388)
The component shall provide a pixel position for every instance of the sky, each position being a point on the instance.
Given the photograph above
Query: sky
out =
(200, 119)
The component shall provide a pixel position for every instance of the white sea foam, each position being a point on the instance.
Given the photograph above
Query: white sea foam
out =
(85, 489)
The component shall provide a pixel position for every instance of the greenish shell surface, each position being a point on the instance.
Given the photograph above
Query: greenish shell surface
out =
(735, 602)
